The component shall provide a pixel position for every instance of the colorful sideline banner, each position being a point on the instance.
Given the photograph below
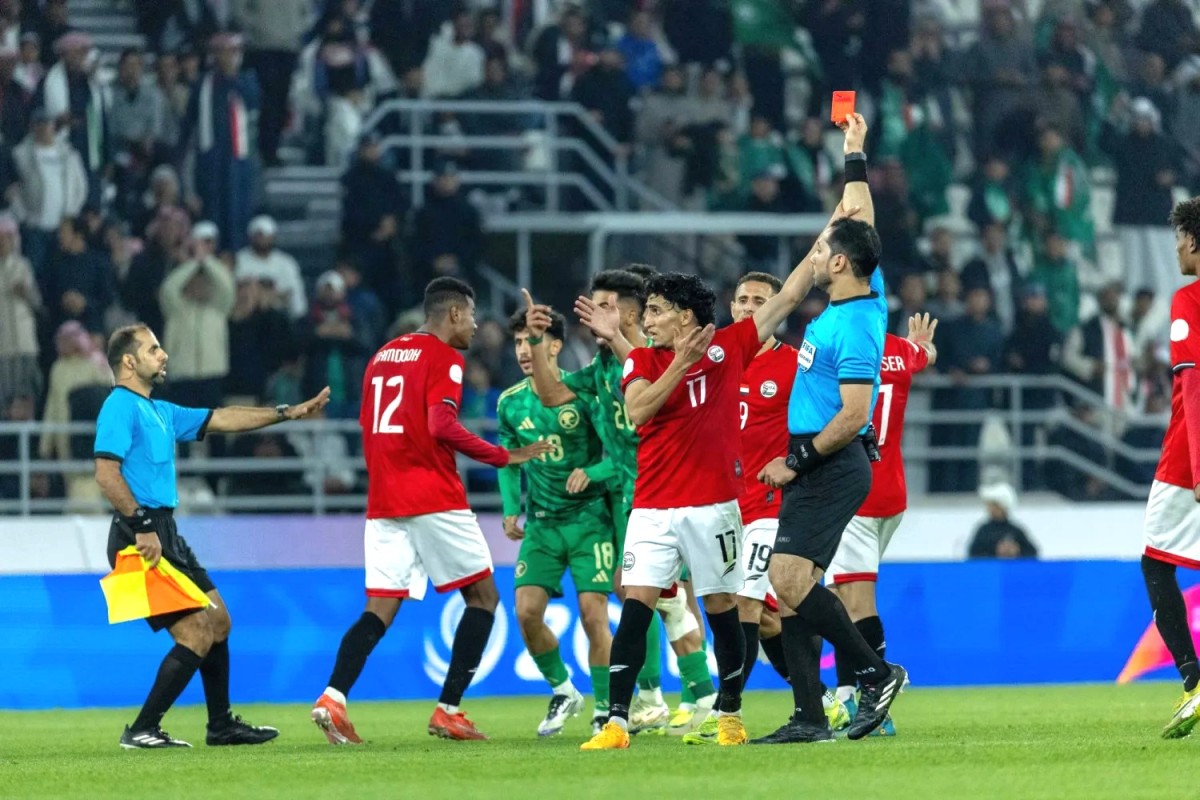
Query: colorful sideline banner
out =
(998, 622)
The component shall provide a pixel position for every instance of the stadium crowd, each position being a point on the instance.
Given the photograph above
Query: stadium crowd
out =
(131, 186)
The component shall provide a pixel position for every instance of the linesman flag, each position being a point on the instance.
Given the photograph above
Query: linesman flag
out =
(134, 591)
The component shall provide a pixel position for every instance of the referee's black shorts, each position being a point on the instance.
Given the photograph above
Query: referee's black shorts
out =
(817, 507)
(174, 549)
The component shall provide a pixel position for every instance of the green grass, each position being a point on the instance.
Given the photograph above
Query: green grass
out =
(1032, 742)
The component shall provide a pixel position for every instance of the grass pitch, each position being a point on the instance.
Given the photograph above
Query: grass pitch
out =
(1033, 742)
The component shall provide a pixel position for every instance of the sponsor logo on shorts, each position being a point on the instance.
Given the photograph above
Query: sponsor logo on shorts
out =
(768, 389)
(628, 561)
(568, 418)
(519, 570)
(716, 354)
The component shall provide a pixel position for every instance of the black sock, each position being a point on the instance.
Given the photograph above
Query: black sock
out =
(469, 640)
(829, 620)
(627, 656)
(804, 666)
(1170, 615)
(214, 672)
(773, 647)
(357, 644)
(845, 670)
(871, 629)
(176, 670)
(730, 650)
(750, 631)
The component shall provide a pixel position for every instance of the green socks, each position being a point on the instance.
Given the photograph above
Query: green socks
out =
(551, 665)
(693, 674)
(600, 689)
(650, 676)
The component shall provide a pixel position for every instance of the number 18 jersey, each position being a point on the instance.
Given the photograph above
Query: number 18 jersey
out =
(408, 471)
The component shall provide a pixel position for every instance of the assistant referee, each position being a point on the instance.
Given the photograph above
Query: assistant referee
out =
(135, 467)
(827, 474)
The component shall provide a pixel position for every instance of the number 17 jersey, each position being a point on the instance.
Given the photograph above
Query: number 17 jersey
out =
(409, 472)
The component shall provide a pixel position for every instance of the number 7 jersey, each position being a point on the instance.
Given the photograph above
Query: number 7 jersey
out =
(889, 493)
(409, 472)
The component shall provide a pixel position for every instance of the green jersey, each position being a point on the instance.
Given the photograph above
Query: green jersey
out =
(600, 382)
(572, 429)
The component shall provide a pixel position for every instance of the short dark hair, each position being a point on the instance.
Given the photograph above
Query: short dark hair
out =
(859, 242)
(626, 284)
(123, 342)
(762, 277)
(643, 271)
(686, 292)
(442, 294)
(1185, 218)
(557, 329)
(129, 52)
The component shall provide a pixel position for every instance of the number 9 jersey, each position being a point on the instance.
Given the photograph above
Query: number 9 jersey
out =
(409, 472)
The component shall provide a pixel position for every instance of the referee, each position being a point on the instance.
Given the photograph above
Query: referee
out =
(827, 474)
(135, 467)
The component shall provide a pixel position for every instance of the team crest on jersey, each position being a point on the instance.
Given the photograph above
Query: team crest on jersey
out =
(568, 418)
(768, 389)
(716, 354)
(806, 355)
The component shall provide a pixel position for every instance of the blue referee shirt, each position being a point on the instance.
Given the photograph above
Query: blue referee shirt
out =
(842, 345)
(141, 433)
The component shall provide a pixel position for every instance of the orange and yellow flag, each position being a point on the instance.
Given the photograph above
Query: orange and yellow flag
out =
(134, 591)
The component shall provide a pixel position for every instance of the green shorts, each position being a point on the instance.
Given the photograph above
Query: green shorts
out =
(621, 505)
(581, 543)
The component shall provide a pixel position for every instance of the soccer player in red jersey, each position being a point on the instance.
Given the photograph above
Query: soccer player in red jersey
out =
(855, 567)
(419, 526)
(1172, 527)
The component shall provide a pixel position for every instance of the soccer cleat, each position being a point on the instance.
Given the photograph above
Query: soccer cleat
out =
(151, 739)
(683, 721)
(611, 737)
(330, 717)
(875, 700)
(562, 707)
(837, 712)
(797, 731)
(453, 726)
(1187, 713)
(598, 723)
(705, 733)
(237, 731)
(731, 731)
(648, 717)
(888, 728)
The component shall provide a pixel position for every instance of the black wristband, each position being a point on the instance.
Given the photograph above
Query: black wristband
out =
(803, 457)
(856, 168)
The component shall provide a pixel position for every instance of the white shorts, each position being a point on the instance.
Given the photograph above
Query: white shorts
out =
(863, 544)
(1172, 527)
(758, 541)
(447, 548)
(660, 541)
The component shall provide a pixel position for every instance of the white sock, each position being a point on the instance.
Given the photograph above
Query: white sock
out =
(621, 722)
(737, 713)
(449, 709)
(845, 693)
(687, 707)
(565, 688)
(656, 696)
(334, 695)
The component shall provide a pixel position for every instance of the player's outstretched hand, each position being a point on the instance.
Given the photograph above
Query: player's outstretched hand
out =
(855, 128)
(537, 316)
(309, 406)
(921, 328)
(604, 322)
(512, 529)
(529, 452)
(577, 481)
(692, 346)
(776, 474)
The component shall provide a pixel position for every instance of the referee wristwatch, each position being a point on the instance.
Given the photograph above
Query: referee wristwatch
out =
(281, 412)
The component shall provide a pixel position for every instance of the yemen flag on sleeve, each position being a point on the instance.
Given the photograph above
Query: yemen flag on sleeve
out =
(134, 591)
(765, 23)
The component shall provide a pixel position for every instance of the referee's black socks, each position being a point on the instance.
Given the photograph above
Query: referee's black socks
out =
(871, 629)
(176, 670)
(730, 650)
(802, 652)
(827, 616)
(214, 672)
(469, 641)
(773, 647)
(356, 645)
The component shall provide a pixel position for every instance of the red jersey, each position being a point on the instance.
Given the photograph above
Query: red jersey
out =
(901, 360)
(408, 471)
(1175, 463)
(763, 410)
(689, 453)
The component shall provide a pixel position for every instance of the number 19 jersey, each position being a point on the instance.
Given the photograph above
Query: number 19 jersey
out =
(409, 472)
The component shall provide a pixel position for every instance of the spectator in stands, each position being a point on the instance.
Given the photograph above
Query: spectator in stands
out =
(493, 348)
(946, 303)
(1146, 165)
(14, 101)
(259, 331)
(364, 303)
(447, 230)
(373, 209)
(217, 126)
(700, 32)
(1153, 84)
(1184, 124)
(498, 86)
(1102, 35)
(166, 249)
(1080, 431)
(941, 251)
(337, 346)
(1058, 194)
(896, 222)
(162, 194)
(1058, 272)
(606, 92)
(999, 536)
(1099, 352)
(30, 70)
(763, 252)
(1055, 103)
(197, 298)
(263, 482)
(53, 25)
(913, 297)
(1035, 345)
(1168, 30)
(995, 269)
(79, 363)
(934, 76)
(1079, 62)
(329, 452)
(170, 100)
(454, 65)
(274, 31)
(642, 51)
(480, 397)
(20, 305)
(73, 96)
(556, 51)
(10, 24)
(1149, 321)
(261, 259)
(492, 36)
(762, 150)
(993, 198)
(816, 168)
(134, 128)
(999, 69)
(172, 25)
(80, 283)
